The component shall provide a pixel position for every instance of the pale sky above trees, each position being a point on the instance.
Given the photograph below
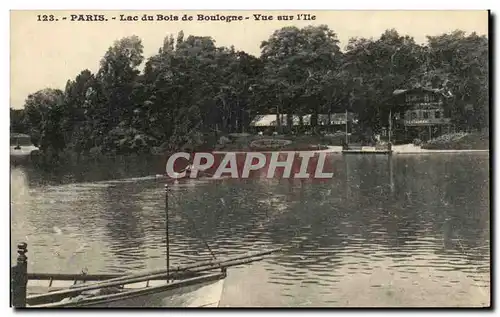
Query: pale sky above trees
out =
(47, 54)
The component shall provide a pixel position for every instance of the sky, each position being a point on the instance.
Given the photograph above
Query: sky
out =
(47, 54)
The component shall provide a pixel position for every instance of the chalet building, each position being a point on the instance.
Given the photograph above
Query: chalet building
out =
(420, 113)
(333, 122)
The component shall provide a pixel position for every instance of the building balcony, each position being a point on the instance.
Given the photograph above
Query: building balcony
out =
(425, 122)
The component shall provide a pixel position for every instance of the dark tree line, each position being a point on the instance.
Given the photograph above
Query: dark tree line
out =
(193, 89)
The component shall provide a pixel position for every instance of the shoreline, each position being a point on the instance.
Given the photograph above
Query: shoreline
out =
(412, 149)
(397, 149)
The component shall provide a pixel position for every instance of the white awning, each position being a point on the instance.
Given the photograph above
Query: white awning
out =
(269, 120)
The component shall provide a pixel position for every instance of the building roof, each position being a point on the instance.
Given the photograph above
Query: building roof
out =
(264, 120)
(19, 135)
(445, 93)
(269, 120)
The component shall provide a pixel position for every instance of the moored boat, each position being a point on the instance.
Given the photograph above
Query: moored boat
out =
(196, 285)
(21, 148)
(199, 291)
(358, 149)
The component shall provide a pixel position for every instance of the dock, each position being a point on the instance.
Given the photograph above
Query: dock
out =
(350, 149)
(386, 152)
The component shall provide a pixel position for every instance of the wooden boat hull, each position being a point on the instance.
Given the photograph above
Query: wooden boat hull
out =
(200, 291)
(207, 294)
(192, 286)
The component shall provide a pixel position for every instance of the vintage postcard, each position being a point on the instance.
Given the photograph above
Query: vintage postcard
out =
(250, 159)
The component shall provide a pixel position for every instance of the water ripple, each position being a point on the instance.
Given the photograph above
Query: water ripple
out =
(353, 237)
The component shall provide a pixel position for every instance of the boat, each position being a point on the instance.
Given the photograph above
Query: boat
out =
(204, 290)
(358, 149)
(198, 285)
(195, 285)
(185, 174)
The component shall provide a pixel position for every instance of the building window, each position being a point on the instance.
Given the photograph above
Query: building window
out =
(426, 114)
(437, 114)
(426, 98)
(414, 115)
(411, 98)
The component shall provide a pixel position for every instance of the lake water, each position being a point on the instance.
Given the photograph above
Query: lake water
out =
(402, 231)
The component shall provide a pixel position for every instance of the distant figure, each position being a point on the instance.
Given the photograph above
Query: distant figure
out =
(189, 168)
(345, 147)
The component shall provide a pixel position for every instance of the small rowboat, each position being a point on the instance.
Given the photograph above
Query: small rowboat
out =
(200, 291)
(197, 285)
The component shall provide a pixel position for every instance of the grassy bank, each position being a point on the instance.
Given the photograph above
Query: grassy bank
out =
(249, 143)
(459, 141)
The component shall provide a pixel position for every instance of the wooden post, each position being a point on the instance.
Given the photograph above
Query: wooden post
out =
(167, 232)
(19, 277)
(346, 132)
(391, 174)
(390, 126)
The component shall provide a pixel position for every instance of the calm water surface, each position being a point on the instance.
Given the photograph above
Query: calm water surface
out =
(401, 231)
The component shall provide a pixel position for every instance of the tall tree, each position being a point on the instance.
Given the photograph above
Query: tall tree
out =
(74, 107)
(378, 67)
(459, 62)
(117, 76)
(293, 59)
(43, 111)
(193, 89)
(17, 121)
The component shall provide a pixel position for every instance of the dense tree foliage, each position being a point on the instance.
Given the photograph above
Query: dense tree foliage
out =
(193, 90)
